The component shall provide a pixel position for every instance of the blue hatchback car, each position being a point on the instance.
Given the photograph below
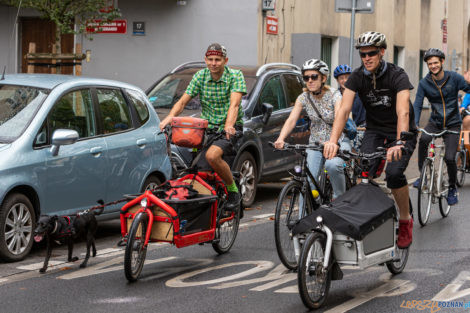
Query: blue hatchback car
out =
(67, 142)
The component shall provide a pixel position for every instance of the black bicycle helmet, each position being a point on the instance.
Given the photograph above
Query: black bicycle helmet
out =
(374, 39)
(433, 52)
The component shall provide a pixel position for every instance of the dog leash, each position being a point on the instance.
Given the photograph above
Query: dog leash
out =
(102, 205)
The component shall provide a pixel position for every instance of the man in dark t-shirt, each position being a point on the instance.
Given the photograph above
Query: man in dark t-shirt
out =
(384, 90)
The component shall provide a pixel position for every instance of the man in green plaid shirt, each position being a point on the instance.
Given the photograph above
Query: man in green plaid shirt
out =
(220, 91)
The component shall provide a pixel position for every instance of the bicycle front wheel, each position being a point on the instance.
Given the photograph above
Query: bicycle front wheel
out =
(136, 252)
(227, 233)
(443, 188)
(288, 211)
(460, 160)
(425, 191)
(312, 277)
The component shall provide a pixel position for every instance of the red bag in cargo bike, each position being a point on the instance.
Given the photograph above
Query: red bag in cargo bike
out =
(188, 131)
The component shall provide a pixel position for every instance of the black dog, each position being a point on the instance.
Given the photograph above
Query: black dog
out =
(65, 229)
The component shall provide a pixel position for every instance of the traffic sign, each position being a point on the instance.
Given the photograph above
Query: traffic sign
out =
(362, 6)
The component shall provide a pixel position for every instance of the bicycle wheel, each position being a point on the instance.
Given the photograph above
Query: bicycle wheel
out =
(287, 213)
(425, 196)
(313, 279)
(226, 233)
(443, 187)
(135, 253)
(460, 160)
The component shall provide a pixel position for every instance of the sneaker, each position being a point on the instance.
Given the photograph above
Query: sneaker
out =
(233, 201)
(417, 183)
(452, 197)
(405, 233)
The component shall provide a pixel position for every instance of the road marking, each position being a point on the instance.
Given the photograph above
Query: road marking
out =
(263, 216)
(105, 267)
(120, 300)
(369, 295)
(279, 275)
(179, 280)
(36, 266)
(451, 291)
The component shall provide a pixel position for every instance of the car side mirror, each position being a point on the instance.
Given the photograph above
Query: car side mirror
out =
(267, 110)
(62, 137)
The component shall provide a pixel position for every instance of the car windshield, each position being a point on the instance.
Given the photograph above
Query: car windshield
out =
(18, 105)
(172, 87)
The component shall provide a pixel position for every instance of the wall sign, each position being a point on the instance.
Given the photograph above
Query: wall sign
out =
(269, 5)
(271, 25)
(138, 28)
(113, 27)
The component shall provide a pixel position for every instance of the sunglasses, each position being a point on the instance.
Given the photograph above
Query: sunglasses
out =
(313, 77)
(370, 53)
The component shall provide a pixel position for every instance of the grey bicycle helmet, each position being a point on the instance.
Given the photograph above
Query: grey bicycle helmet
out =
(374, 39)
(433, 52)
(316, 65)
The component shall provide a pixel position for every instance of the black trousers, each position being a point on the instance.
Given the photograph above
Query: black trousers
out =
(451, 142)
(395, 171)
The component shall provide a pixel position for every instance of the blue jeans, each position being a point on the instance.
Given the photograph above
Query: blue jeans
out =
(334, 167)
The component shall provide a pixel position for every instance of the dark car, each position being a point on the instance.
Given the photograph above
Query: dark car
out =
(271, 93)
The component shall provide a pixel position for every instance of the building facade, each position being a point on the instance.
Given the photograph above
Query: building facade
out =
(179, 31)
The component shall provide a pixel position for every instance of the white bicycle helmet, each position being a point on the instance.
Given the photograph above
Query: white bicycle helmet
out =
(316, 65)
(374, 39)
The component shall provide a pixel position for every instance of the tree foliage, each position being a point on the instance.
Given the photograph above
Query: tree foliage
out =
(69, 16)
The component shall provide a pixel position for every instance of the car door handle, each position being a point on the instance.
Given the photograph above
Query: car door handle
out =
(96, 151)
(141, 142)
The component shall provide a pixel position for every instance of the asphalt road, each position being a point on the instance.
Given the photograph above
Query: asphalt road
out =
(249, 278)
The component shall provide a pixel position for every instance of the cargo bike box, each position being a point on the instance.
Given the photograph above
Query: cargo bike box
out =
(180, 214)
(362, 221)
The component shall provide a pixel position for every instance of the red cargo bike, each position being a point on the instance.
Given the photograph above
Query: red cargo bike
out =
(185, 211)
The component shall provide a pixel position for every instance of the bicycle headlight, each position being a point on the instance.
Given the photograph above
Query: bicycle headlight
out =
(297, 169)
(319, 219)
(143, 202)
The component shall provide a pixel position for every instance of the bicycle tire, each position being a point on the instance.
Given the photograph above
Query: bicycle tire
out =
(313, 280)
(460, 160)
(134, 256)
(226, 234)
(425, 193)
(287, 213)
(443, 187)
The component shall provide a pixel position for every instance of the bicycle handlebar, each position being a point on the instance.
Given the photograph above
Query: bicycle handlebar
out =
(437, 135)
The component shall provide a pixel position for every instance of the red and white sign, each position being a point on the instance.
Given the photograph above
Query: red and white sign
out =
(271, 25)
(113, 27)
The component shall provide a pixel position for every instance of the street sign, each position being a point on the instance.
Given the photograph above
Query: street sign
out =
(269, 5)
(113, 27)
(362, 6)
(271, 25)
(138, 28)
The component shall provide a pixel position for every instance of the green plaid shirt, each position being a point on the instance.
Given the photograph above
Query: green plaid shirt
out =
(215, 95)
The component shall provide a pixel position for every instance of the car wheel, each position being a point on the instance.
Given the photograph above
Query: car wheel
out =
(246, 166)
(17, 219)
(151, 183)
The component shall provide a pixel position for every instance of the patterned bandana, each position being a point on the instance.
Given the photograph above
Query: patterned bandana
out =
(216, 49)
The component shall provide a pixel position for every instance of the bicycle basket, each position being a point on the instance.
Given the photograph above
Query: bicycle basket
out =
(188, 131)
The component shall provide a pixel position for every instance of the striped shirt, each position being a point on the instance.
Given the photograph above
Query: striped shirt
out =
(215, 95)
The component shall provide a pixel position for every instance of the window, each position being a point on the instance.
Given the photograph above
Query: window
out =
(74, 111)
(273, 94)
(398, 56)
(326, 45)
(115, 114)
(422, 65)
(139, 103)
(294, 87)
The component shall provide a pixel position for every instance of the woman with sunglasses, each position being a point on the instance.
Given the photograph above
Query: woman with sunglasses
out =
(320, 102)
